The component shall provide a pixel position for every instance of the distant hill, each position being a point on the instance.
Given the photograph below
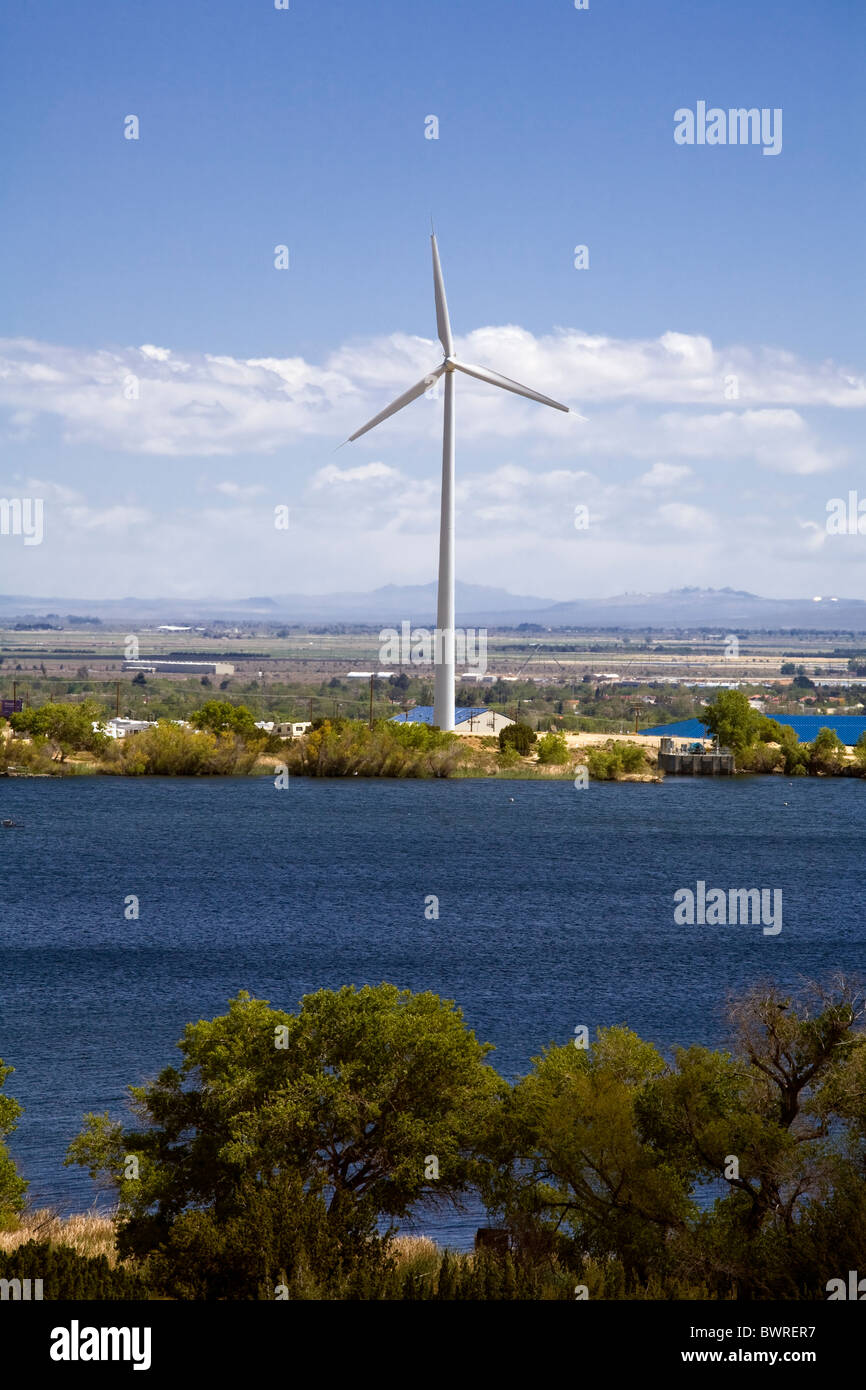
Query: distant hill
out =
(478, 605)
(731, 608)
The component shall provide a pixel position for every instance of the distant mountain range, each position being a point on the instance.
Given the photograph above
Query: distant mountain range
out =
(477, 606)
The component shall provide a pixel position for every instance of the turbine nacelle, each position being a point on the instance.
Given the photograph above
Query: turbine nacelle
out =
(451, 364)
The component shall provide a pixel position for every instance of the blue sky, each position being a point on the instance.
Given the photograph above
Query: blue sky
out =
(306, 127)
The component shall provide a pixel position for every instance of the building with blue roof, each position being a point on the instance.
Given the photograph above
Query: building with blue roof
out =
(468, 719)
(847, 727)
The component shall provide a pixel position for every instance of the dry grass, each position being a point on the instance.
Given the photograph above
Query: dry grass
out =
(89, 1233)
(407, 1249)
(417, 1255)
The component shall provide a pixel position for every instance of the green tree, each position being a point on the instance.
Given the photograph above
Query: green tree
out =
(606, 1146)
(219, 716)
(65, 727)
(788, 1105)
(572, 1158)
(732, 721)
(377, 1095)
(826, 753)
(12, 1186)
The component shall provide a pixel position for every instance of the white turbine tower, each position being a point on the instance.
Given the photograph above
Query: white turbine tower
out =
(443, 688)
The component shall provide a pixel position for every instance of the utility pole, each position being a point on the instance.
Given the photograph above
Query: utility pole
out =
(371, 699)
(117, 699)
(311, 709)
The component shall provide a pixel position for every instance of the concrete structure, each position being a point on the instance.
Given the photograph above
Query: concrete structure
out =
(694, 760)
(468, 719)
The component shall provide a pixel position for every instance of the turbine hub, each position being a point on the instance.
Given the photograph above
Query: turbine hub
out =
(450, 364)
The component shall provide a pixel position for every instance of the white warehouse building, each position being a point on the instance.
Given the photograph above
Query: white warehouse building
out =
(468, 719)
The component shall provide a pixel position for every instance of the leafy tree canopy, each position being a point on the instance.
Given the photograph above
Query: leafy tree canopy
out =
(732, 721)
(66, 726)
(220, 716)
(12, 1186)
(353, 1095)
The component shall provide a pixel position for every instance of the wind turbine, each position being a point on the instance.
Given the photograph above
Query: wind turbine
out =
(443, 687)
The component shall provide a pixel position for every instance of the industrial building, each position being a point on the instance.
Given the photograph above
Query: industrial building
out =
(475, 720)
(155, 666)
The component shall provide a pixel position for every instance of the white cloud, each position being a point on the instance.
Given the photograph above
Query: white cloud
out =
(684, 517)
(157, 354)
(220, 405)
(661, 433)
(376, 525)
(239, 490)
(332, 476)
(779, 440)
(665, 475)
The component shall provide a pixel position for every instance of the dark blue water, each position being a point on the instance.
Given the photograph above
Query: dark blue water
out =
(556, 909)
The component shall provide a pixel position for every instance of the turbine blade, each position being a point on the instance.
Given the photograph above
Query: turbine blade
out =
(485, 374)
(443, 323)
(406, 399)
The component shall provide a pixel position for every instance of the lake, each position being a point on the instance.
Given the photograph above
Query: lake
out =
(556, 908)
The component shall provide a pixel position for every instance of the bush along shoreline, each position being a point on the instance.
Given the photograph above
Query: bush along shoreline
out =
(223, 740)
(275, 1158)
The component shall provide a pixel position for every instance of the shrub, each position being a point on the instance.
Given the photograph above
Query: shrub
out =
(170, 750)
(280, 1237)
(66, 1274)
(16, 755)
(518, 736)
(825, 754)
(761, 757)
(616, 760)
(345, 748)
(552, 748)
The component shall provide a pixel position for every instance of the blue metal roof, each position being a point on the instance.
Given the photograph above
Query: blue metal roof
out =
(848, 727)
(423, 714)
